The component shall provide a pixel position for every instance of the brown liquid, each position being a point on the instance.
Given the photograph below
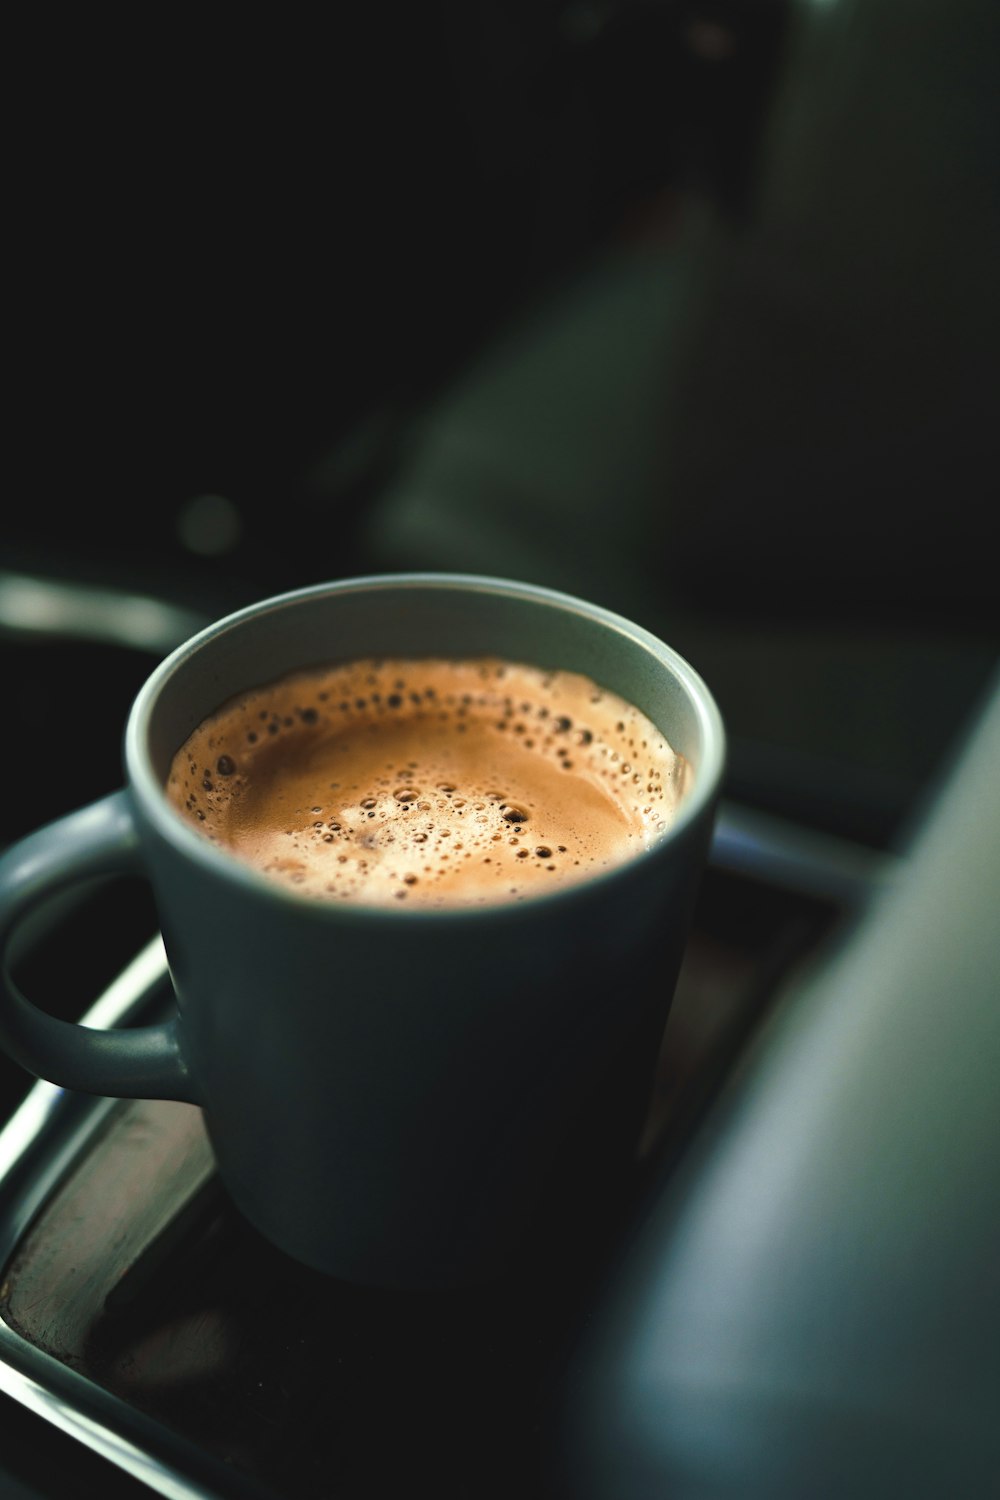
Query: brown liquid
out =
(438, 783)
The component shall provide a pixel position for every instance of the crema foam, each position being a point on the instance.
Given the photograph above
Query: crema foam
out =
(429, 782)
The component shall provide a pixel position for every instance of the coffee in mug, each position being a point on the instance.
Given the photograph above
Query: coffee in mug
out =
(434, 782)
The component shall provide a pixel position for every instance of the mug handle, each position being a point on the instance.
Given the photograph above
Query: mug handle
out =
(144, 1062)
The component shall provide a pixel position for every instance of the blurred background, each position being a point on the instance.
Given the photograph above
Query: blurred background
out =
(687, 306)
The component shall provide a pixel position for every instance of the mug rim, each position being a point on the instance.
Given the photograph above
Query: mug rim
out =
(145, 784)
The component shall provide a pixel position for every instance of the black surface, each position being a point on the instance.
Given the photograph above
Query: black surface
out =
(40, 1462)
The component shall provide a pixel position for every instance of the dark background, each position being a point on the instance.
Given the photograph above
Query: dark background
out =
(687, 307)
(248, 260)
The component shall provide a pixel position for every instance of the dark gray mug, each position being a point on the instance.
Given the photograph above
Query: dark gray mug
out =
(389, 1094)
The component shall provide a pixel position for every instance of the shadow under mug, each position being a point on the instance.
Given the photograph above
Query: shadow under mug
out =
(390, 1094)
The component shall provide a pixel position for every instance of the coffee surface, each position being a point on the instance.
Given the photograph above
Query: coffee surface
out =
(429, 782)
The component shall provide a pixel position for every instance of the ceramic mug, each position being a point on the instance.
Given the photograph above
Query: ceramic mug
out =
(388, 1093)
